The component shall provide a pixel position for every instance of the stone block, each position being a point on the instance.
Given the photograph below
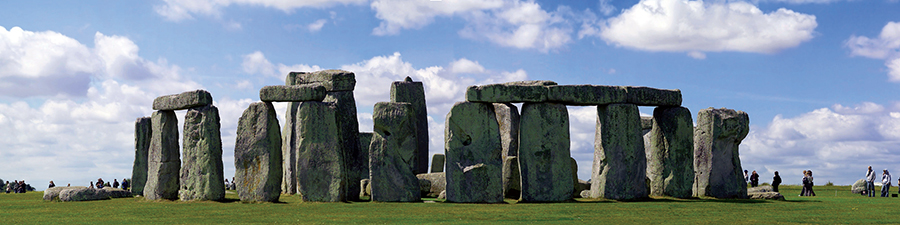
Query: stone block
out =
(333, 80)
(321, 169)
(163, 162)
(257, 154)
(512, 181)
(587, 94)
(519, 91)
(292, 93)
(438, 183)
(472, 147)
(670, 167)
(142, 136)
(414, 93)
(365, 139)
(202, 172)
(717, 164)
(620, 164)
(289, 145)
(437, 163)
(645, 96)
(544, 158)
(184, 100)
(392, 153)
(508, 119)
(354, 160)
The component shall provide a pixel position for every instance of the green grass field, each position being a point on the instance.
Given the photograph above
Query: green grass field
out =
(832, 205)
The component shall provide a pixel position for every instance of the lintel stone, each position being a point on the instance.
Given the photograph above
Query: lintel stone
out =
(292, 93)
(519, 91)
(184, 100)
(333, 80)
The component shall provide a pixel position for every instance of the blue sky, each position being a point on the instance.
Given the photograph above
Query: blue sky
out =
(819, 78)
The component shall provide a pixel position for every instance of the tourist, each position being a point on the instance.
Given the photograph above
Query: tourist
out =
(69, 185)
(99, 183)
(754, 179)
(22, 186)
(746, 177)
(233, 184)
(115, 183)
(125, 184)
(775, 182)
(15, 186)
(885, 183)
(870, 183)
(227, 184)
(8, 187)
(51, 184)
(92, 184)
(805, 181)
(809, 190)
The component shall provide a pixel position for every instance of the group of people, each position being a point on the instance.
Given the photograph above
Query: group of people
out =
(807, 184)
(17, 186)
(100, 184)
(230, 185)
(885, 183)
(753, 180)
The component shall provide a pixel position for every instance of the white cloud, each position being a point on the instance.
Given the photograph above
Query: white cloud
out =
(698, 26)
(606, 8)
(894, 69)
(464, 65)
(412, 14)
(697, 55)
(801, 1)
(178, 10)
(43, 63)
(523, 25)
(256, 63)
(885, 46)
(316, 26)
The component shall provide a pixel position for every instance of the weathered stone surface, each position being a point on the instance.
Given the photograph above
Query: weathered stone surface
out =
(333, 80)
(82, 194)
(765, 188)
(424, 187)
(257, 154)
(767, 196)
(163, 163)
(365, 139)
(472, 146)
(392, 153)
(184, 100)
(544, 158)
(438, 183)
(645, 96)
(670, 167)
(858, 187)
(202, 170)
(414, 93)
(585, 194)
(717, 165)
(619, 170)
(289, 145)
(582, 187)
(142, 135)
(116, 192)
(348, 139)
(512, 181)
(443, 195)
(519, 91)
(52, 194)
(587, 94)
(508, 119)
(437, 163)
(576, 189)
(363, 188)
(320, 160)
(646, 124)
(292, 93)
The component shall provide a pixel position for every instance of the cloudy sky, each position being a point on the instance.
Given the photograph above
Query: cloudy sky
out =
(820, 79)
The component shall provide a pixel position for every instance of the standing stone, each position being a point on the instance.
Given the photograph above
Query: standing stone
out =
(348, 137)
(717, 165)
(163, 164)
(472, 147)
(437, 163)
(670, 165)
(184, 100)
(365, 139)
(321, 169)
(414, 93)
(544, 159)
(392, 153)
(289, 145)
(619, 170)
(508, 119)
(143, 130)
(202, 174)
(512, 181)
(257, 154)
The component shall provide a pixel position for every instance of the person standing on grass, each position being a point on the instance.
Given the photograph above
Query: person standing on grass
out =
(809, 190)
(885, 183)
(803, 191)
(125, 184)
(754, 179)
(870, 182)
(775, 182)
(8, 187)
(746, 177)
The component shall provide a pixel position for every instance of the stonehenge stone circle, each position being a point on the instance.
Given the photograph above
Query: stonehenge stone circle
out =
(292, 93)
(670, 166)
(519, 91)
(508, 119)
(321, 169)
(142, 135)
(257, 154)
(512, 182)
(414, 93)
(184, 100)
(717, 166)
(202, 170)
(333, 80)
(544, 159)
(348, 138)
(619, 170)
(392, 153)
(472, 148)
(163, 164)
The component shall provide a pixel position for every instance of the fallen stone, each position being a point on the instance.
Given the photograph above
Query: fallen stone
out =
(321, 169)
(163, 164)
(292, 93)
(392, 153)
(116, 192)
(472, 146)
(765, 188)
(585, 194)
(670, 167)
(519, 91)
(645, 96)
(717, 164)
(257, 154)
(333, 80)
(424, 187)
(512, 181)
(414, 93)
(581, 188)
(202, 170)
(508, 119)
(184, 100)
(544, 159)
(619, 170)
(437, 163)
(587, 94)
(52, 194)
(858, 187)
(766, 196)
(142, 135)
(82, 194)
(353, 159)
(438, 182)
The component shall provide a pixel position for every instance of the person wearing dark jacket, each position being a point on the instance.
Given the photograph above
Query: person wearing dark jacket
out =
(754, 179)
(775, 182)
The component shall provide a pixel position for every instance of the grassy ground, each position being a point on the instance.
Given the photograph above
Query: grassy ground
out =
(832, 205)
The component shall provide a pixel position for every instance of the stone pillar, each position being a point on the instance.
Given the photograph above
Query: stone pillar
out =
(142, 135)
(289, 147)
(670, 167)
(348, 137)
(512, 181)
(437, 163)
(619, 170)
(472, 147)
(163, 164)
(508, 119)
(257, 154)
(414, 93)
(717, 165)
(392, 153)
(321, 169)
(365, 139)
(202, 176)
(544, 159)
